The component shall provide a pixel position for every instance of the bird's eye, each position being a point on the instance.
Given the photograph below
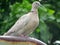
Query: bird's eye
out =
(37, 3)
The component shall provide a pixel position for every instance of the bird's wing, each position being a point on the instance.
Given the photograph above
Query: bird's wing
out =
(21, 22)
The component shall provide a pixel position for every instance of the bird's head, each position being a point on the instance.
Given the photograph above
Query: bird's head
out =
(36, 4)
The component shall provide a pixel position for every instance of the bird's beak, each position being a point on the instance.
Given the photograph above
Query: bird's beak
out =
(42, 7)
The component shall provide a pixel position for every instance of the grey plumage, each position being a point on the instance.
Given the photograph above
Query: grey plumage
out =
(25, 24)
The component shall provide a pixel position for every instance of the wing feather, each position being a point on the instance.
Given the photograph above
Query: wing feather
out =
(21, 22)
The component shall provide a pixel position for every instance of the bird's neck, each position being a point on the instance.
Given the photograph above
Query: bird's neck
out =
(34, 10)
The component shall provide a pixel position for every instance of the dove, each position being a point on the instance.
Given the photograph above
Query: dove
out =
(26, 24)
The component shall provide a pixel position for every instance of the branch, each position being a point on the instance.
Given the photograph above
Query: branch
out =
(10, 40)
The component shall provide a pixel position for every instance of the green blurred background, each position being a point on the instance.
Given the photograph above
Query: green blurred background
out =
(49, 28)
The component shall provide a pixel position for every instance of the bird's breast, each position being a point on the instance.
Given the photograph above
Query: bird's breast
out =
(31, 26)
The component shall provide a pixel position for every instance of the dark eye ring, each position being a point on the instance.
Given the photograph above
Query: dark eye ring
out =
(37, 3)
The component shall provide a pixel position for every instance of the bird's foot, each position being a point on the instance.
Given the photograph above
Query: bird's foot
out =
(24, 36)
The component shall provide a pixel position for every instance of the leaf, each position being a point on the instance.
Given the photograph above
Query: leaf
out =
(58, 20)
(37, 30)
(51, 12)
(45, 35)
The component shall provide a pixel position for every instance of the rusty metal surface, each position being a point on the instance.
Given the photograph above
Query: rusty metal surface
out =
(20, 40)
(3, 42)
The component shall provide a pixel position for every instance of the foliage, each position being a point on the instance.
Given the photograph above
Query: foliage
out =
(49, 14)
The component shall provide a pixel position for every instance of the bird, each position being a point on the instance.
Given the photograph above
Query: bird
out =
(26, 24)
